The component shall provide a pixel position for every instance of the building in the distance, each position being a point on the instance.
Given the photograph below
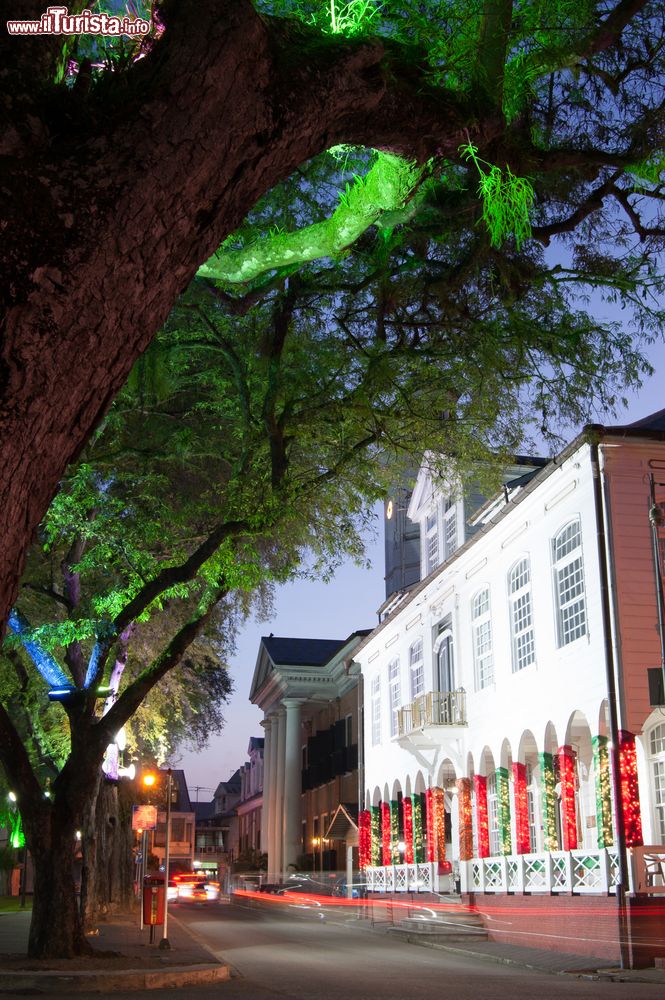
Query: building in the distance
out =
(514, 718)
(310, 700)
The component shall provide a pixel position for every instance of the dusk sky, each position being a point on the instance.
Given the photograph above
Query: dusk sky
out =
(331, 611)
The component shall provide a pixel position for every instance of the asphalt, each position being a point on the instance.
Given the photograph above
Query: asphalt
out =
(189, 962)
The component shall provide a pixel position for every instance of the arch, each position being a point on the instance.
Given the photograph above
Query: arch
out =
(407, 787)
(578, 736)
(486, 765)
(376, 796)
(506, 755)
(386, 793)
(419, 785)
(446, 775)
(470, 769)
(397, 790)
(528, 748)
(551, 742)
(604, 718)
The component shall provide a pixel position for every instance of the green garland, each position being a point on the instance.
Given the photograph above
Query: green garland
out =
(418, 839)
(503, 796)
(548, 804)
(394, 831)
(601, 767)
(375, 827)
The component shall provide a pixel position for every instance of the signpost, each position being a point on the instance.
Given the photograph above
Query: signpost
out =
(144, 818)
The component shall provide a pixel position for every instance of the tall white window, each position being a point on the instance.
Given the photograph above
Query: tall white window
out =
(450, 530)
(395, 694)
(417, 668)
(521, 618)
(657, 748)
(481, 624)
(493, 814)
(569, 583)
(376, 710)
(531, 809)
(432, 541)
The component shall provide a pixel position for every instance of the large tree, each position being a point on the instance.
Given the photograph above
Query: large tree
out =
(115, 191)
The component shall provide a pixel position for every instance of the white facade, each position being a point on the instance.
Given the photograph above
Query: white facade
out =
(499, 657)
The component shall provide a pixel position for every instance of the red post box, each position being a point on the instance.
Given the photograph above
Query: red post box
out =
(153, 902)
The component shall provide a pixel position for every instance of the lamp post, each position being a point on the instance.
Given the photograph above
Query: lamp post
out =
(164, 943)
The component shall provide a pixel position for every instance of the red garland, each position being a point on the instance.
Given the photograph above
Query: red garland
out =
(408, 830)
(430, 850)
(440, 818)
(568, 806)
(482, 822)
(364, 839)
(630, 793)
(522, 838)
(386, 852)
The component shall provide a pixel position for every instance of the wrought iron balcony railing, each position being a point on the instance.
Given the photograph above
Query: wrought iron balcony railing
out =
(435, 708)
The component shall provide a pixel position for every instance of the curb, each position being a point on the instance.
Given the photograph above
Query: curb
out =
(104, 982)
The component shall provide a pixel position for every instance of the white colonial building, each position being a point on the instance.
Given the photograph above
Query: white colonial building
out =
(514, 728)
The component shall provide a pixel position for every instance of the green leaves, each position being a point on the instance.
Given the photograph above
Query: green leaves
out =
(506, 199)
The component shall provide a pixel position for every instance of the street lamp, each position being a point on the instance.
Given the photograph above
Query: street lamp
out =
(164, 943)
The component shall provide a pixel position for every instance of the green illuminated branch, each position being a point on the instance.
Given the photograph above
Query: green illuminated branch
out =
(506, 199)
(388, 186)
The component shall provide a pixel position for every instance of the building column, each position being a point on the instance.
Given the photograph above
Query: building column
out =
(291, 798)
(278, 865)
(268, 805)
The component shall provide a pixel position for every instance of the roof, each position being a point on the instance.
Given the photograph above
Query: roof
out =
(301, 652)
(204, 810)
(344, 820)
(255, 743)
(654, 422)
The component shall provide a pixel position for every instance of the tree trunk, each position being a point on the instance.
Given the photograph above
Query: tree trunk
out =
(56, 930)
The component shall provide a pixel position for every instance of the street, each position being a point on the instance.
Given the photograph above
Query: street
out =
(297, 956)
(280, 955)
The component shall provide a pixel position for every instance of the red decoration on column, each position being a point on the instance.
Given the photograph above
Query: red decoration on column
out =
(408, 830)
(630, 793)
(465, 816)
(568, 804)
(480, 789)
(430, 849)
(364, 839)
(386, 852)
(440, 819)
(522, 839)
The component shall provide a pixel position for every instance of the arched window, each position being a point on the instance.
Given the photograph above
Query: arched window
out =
(569, 583)
(657, 757)
(521, 617)
(481, 625)
(417, 668)
(395, 694)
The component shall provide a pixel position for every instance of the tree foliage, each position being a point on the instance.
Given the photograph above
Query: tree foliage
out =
(451, 182)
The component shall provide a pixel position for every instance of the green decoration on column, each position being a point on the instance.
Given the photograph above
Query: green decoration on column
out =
(418, 840)
(375, 827)
(601, 768)
(548, 801)
(394, 831)
(503, 795)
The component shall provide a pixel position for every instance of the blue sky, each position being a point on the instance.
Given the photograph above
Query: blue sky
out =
(331, 611)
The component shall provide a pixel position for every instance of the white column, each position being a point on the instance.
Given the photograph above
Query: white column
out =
(278, 866)
(292, 784)
(267, 806)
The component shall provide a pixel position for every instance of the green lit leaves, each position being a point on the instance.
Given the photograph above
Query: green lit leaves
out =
(506, 199)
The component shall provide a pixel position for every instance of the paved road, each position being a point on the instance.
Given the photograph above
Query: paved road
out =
(280, 957)
(285, 957)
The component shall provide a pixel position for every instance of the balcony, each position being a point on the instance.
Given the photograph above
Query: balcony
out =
(435, 708)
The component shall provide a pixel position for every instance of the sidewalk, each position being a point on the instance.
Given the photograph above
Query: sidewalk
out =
(551, 962)
(138, 965)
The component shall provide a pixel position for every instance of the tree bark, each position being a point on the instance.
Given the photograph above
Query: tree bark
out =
(112, 208)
